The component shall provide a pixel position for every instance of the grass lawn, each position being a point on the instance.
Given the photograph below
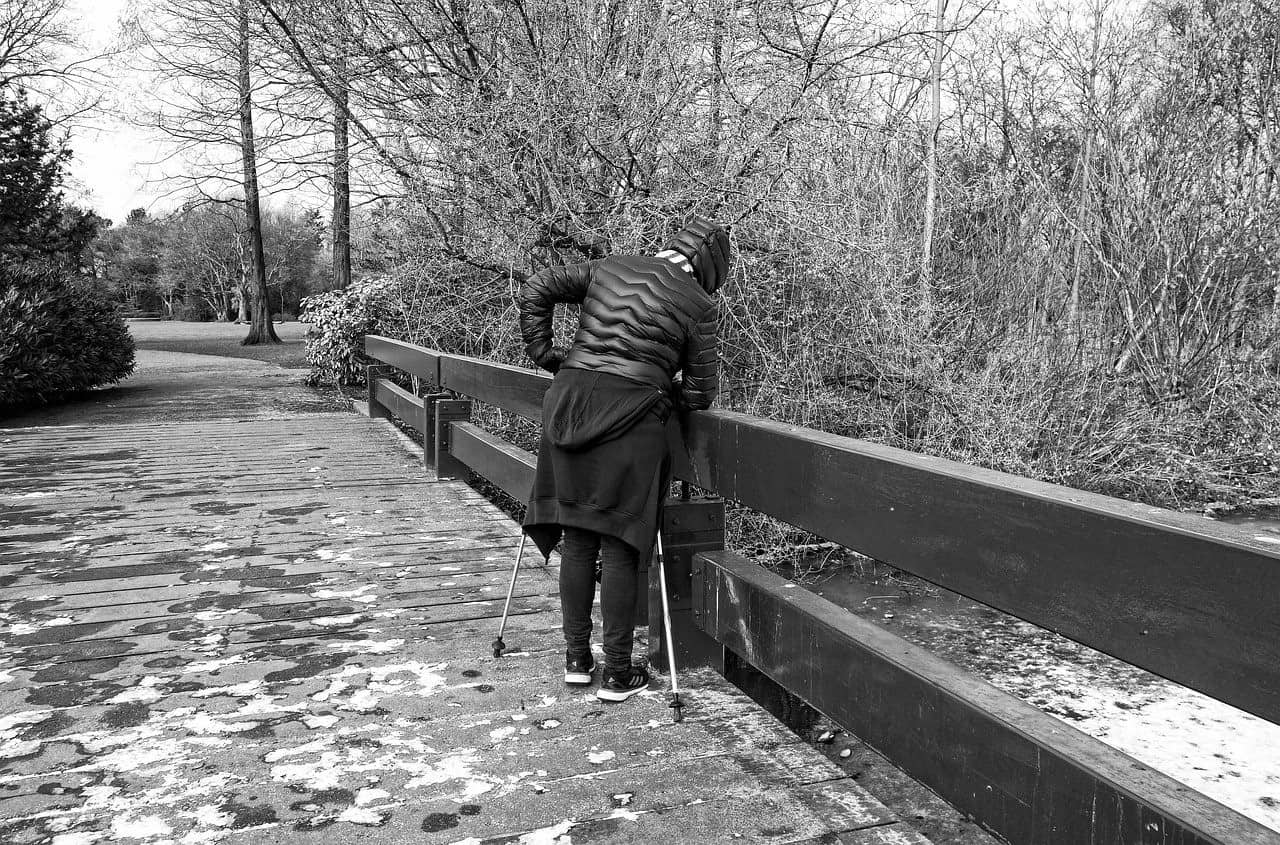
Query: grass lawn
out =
(222, 339)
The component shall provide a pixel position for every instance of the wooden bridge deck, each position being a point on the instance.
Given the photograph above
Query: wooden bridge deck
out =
(277, 630)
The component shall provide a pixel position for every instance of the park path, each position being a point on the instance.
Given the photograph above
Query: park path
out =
(229, 614)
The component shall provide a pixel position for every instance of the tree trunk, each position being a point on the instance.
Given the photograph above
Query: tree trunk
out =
(260, 328)
(931, 171)
(341, 190)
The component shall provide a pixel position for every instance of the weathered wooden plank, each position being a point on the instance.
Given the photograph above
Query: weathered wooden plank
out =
(115, 542)
(407, 407)
(503, 464)
(515, 389)
(1021, 773)
(393, 641)
(1172, 593)
(79, 639)
(19, 584)
(272, 511)
(43, 573)
(135, 640)
(85, 491)
(415, 360)
(215, 597)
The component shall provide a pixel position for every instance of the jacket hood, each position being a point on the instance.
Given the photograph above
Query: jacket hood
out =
(706, 245)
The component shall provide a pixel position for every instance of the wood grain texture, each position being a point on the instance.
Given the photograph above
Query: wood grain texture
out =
(1023, 774)
(1173, 593)
(400, 402)
(503, 464)
(415, 360)
(515, 389)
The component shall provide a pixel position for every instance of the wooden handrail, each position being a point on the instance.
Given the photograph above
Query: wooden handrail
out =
(1176, 594)
(1172, 593)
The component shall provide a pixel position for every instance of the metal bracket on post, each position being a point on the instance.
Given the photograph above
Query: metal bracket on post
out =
(449, 411)
(689, 526)
(428, 424)
(372, 373)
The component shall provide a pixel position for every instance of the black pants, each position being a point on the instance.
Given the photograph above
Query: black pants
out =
(619, 564)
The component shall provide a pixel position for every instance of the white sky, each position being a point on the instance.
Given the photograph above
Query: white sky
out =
(110, 171)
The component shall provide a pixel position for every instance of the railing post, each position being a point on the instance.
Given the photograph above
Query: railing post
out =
(373, 372)
(689, 527)
(449, 411)
(428, 423)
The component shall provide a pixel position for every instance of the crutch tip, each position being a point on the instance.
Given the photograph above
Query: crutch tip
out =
(498, 647)
(677, 709)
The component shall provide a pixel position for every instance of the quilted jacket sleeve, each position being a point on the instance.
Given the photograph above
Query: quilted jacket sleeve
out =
(537, 301)
(701, 363)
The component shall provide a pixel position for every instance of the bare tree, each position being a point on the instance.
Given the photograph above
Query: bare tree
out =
(33, 39)
(206, 55)
(261, 329)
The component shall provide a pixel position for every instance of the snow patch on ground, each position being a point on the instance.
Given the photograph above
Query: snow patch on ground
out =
(22, 629)
(207, 666)
(556, 834)
(144, 692)
(244, 690)
(358, 594)
(368, 646)
(203, 723)
(334, 621)
(140, 827)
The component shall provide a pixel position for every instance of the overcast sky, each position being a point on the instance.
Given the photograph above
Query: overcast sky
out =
(110, 170)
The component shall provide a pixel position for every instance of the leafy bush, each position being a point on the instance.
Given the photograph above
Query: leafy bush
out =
(339, 321)
(60, 337)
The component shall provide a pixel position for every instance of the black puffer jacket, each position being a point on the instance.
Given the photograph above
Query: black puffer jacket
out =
(642, 318)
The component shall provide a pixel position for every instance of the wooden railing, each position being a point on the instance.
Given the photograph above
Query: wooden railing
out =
(1188, 599)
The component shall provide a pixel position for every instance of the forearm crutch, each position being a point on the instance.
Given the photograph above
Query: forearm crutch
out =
(675, 705)
(498, 645)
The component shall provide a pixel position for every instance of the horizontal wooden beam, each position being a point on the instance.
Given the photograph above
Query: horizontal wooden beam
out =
(505, 465)
(1175, 594)
(402, 403)
(415, 360)
(1021, 773)
(515, 389)
(1179, 595)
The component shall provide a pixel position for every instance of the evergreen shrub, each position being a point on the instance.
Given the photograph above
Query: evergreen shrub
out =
(339, 321)
(60, 337)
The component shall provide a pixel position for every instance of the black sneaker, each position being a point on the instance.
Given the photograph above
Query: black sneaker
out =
(619, 685)
(579, 667)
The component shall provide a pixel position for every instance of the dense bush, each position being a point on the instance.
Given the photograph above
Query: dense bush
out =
(60, 337)
(340, 319)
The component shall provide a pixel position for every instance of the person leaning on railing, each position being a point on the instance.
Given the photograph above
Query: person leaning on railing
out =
(603, 462)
